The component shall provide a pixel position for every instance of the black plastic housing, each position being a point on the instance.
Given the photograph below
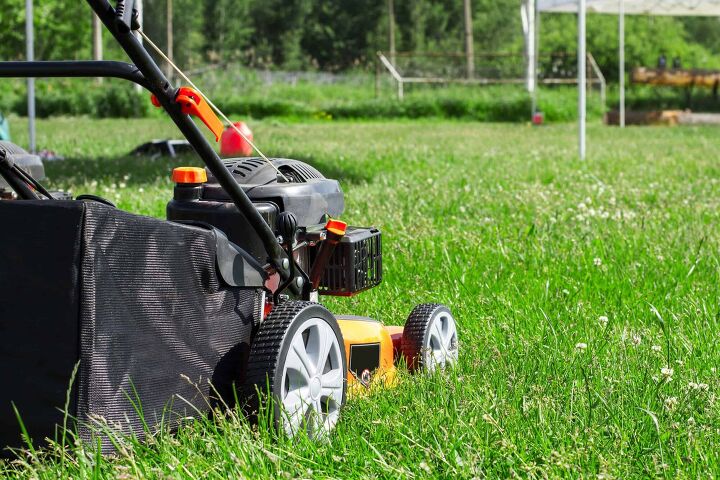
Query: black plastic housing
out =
(225, 217)
(356, 263)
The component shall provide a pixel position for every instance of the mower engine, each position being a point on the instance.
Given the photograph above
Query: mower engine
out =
(299, 203)
(26, 161)
(15, 156)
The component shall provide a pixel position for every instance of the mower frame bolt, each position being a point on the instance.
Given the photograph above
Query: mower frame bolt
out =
(299, 281)
(285, 263)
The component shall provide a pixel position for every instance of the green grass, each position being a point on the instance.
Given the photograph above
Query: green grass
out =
(530, 248)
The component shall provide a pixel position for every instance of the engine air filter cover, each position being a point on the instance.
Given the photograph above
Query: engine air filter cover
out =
(303, 191)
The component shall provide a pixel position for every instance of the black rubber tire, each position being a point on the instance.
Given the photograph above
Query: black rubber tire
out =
(268, 352)
(415, 333)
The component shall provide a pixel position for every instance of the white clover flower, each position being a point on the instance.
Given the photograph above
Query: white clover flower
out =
(702, 387)
(667, 373)
(671, 403)
(691, 421)
(636, 340)
(580, 346)
(656, 348)
(597, 261)
(603, 320)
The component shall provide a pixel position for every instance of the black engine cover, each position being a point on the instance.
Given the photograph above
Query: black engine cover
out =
(304, 191)
(307, 194)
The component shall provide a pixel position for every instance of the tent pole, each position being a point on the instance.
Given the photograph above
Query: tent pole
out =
(581, 59)
(30, 56)
(531, 50)
(621, 61)
(537, 52)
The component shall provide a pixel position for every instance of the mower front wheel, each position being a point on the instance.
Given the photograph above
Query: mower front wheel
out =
(298, 358)
(430, 338)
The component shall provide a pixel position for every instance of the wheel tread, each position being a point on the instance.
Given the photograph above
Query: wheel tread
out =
(415, 332)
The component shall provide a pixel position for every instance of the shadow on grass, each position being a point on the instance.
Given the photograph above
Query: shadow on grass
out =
(141, 170)
(144, 170)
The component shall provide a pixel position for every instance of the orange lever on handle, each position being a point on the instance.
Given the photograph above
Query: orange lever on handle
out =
(192, 103)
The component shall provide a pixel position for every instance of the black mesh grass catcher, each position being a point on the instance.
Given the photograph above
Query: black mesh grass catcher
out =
(135, 302)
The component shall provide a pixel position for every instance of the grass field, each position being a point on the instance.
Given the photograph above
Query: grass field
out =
(586, 295)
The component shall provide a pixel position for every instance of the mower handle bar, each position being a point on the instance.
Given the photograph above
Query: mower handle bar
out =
(71, 68)
(145, 72)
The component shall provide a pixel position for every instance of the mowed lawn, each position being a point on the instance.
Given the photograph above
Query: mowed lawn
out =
(587, 296)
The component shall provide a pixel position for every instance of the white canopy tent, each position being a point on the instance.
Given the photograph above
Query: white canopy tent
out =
(612, 7)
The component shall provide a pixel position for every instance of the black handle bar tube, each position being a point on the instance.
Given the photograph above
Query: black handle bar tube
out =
(70, 68)
(158, 84)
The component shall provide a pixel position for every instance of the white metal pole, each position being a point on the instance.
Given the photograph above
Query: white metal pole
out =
(530, 45)
(97, 41)
(536, 54)
(582, 55)
(621, 59)
(97, 38)
(30, 56)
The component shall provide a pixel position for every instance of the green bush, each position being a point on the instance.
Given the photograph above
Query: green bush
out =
(504, 103)
(65, 97)
(261, 107)
(120, 101)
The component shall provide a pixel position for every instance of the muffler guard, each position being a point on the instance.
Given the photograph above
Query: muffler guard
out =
(134, 301)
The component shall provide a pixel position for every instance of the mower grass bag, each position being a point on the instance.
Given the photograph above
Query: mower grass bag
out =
(135, 303)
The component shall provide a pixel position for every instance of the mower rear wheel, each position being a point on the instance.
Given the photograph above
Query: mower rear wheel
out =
(298, 357)
(430, 338)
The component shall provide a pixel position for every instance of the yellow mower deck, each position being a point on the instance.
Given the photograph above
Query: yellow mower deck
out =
(370, 352)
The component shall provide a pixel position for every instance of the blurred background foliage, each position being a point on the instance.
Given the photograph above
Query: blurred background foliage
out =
(337, 35)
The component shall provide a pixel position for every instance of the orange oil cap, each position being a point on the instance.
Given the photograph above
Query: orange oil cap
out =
(336, 226)
(189, 175)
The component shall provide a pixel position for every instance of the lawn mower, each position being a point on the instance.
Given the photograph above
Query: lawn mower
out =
(116, 322)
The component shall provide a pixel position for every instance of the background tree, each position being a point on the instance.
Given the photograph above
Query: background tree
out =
(337, 35)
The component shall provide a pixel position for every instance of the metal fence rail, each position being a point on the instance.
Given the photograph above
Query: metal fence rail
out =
(490, 69)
